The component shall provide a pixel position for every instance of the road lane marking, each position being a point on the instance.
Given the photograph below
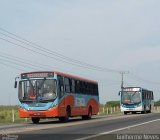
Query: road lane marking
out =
(108, 132)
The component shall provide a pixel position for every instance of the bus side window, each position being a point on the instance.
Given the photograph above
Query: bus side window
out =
(94, 89)
(72, 86)
(87, 88)
(61, 86)
(67, 85)
(77, 85)
(152, 96)
(147, 97)
(143, 95)
(149, 94)
(81, 87)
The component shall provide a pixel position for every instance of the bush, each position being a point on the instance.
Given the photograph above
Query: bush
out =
(157, 103)
(112, 103)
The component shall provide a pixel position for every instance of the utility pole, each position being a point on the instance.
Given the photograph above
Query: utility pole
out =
(122, 73)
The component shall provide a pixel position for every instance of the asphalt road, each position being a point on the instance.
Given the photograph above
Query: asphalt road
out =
(102, 127)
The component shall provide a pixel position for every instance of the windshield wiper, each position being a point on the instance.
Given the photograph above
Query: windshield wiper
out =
(45, 101)
(25, 101)
(133, 93)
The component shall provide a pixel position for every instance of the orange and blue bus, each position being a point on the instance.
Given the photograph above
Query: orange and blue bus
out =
(53, 94)
(136, 99)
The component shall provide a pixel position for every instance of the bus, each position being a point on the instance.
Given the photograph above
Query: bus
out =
(54, 94)
(136, 99)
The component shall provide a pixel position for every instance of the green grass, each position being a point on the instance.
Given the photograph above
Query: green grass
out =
(9, 114)
(6, 114)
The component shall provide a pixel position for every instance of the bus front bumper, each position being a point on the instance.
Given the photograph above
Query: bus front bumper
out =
(136, 109)
(53, 112)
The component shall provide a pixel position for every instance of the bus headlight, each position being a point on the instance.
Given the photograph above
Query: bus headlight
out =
(139, 105)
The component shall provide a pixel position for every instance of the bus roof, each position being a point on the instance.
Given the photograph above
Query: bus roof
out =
(62, 74)
(75, 77)
(136, 87)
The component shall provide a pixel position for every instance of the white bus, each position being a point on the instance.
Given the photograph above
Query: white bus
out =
(136, 99)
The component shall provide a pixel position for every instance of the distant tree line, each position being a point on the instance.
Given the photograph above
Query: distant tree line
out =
(157, 103)
(112, 103)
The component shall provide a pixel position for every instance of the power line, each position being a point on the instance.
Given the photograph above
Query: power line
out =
(25, 63)
(11, 66)
(50, 54)
(144, 80)
(7, 58)
(47, 55)
(17, 64)
(61, 57)
(10, 59)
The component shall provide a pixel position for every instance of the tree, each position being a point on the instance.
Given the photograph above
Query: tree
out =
(157, 103)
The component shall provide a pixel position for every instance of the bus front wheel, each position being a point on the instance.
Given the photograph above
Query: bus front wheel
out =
(150, 109)
(66, 117)
(125, 112)
(144, 111)
(35, 120)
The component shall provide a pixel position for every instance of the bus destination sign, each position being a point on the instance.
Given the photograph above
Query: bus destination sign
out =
(131, 89)
(37, 75)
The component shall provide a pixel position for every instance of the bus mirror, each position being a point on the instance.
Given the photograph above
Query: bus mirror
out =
(119, 93)
(15, 84)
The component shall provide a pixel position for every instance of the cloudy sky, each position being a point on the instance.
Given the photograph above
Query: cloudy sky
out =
(118, 35)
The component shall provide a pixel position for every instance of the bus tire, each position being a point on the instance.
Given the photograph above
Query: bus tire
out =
(144, 111)
(89, 116)
(84, 117)
(150, 109)
(125, 112)
(35, 120)
(134, 112)
(90, 113)
(66, 117)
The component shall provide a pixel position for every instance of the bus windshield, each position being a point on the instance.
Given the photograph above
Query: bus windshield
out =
(130, 97)
(39, 90)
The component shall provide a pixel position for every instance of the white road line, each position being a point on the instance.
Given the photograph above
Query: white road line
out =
(108, 132)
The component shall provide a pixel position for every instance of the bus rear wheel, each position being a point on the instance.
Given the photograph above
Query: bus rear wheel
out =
(90, 113)
(89, 116)
(35, 120)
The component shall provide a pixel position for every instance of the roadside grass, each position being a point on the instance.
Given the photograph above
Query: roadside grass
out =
(107, 110)
(9, 114)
